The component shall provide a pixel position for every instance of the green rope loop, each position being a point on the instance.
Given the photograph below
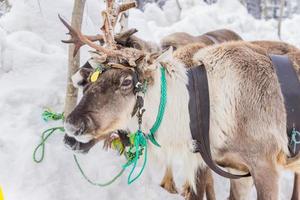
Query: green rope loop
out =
(41, 146)
(94, 183)
(140, 144)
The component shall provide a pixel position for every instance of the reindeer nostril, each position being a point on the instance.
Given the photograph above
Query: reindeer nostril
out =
(69, 128)
(81, 129)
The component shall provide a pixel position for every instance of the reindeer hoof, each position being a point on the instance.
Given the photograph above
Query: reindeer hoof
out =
(169, 186)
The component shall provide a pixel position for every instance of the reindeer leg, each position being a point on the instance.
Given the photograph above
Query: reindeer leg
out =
(168, 182)
(209, 189)
(265, 177)
(296, 190)
(240, 188)
(201, 178)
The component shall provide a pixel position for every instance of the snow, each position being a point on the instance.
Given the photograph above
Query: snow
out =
(33, 67)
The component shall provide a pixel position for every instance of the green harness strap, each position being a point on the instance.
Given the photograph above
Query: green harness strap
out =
(140, 139)
(140, 145)
(162, 107)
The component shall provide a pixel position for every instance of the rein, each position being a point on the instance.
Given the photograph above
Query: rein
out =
(138, 140)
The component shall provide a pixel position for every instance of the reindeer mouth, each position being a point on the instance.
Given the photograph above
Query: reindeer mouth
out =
(77, 146)
(83, 147)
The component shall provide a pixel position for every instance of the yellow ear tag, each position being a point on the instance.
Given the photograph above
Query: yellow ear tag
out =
(95, 75)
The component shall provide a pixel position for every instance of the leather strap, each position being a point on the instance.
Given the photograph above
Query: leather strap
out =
(199, 118)
(290, 88)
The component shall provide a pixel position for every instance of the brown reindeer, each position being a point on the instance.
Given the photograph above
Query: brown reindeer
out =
(244, 90)
(80, 79)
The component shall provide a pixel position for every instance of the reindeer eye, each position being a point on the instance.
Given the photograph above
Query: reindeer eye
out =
(126, 83)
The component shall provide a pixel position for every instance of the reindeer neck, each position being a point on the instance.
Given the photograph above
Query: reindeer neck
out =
(176, 116)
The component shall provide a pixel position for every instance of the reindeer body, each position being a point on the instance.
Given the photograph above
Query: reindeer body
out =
(247, 114)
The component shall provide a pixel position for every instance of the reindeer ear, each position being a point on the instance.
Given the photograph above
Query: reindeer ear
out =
(157, 57)
(80, 78)
(165, 56)
(123, 37)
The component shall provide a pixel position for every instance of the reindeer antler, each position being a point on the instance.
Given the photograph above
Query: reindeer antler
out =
(110, 16)
(75, 37)
(120, 38)
(111, 50)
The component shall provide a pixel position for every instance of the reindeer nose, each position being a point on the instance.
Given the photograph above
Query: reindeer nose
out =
(77, 127)
(74, 129)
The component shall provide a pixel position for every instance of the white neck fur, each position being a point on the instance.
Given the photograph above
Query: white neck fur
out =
(174, 132)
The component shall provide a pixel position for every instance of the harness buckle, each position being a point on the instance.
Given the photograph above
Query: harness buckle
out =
(194, 146)
(139, 115)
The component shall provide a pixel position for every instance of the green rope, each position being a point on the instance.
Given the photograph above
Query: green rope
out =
(41, 146)
(162, 107)
(94, 183)
(134, 153)
(48, 115)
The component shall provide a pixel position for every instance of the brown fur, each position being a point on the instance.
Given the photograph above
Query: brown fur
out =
(275, 47)
(185, 54)
(168, 182)
(204, 183)
(138, 43)
(180, 39)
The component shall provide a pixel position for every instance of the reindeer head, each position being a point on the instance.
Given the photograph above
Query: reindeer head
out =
(109, 102)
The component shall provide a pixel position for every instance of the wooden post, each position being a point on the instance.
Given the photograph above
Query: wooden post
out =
(282, 4)
(73, 62)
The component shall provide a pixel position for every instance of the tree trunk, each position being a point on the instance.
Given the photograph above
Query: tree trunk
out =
(296, 190)
(282, 3)
(74, 62)
(298, 7)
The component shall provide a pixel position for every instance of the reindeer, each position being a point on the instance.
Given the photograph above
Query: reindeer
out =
(247, 131)
(80, 80)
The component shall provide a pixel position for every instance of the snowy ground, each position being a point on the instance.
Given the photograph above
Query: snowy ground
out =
(32, 77)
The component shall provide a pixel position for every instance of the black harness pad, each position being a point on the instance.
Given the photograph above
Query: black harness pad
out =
(199, 118)
(199, 110)
(290, 88)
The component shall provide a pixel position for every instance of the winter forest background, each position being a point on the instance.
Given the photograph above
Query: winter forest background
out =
(33, 68)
